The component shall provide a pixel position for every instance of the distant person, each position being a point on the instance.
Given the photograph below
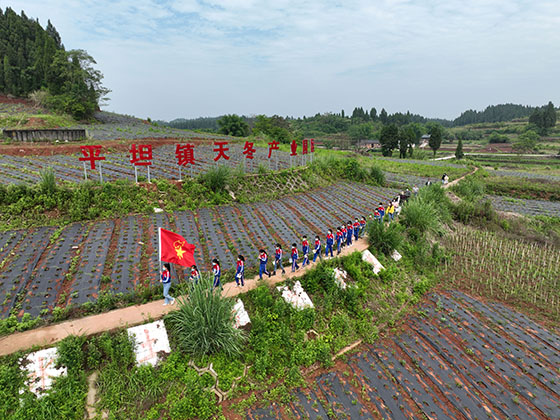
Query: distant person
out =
(356, 227)
(338, 240)
(391, 212)
(415, 189)
(195, 274)
(305, 251)
(363, 224)
(344, 233)
(317, 249)
(216, 270)
(329, 243)
(376, 215)
(428, 183)
(349, 233)
(240, 271)
(263, 259)
(294, 258)
(407, 194)
(381, 211)
(278, 253)
(166, 281)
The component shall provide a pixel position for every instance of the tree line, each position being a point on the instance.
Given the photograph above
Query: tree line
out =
(34, 62)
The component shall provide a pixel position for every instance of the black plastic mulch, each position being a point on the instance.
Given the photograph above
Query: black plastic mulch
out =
(126, 269)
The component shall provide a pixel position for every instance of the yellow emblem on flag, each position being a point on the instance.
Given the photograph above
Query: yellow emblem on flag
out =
(178, 245)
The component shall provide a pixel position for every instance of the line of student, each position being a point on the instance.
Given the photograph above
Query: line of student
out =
(345, 234)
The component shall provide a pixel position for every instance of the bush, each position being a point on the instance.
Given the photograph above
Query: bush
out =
(469, 188)
(377, 176)
(428, 211)
(384, 239)
(47, 184)
(216, 179)
(204, 322)
(470, 212)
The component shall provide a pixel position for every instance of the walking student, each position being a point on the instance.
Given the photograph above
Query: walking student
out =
(195, 275)
(240, 271)
(216, 270)
(343, 230)
(338, 240)
(263, 259)
(278, 259)
(305, 251)
(329, 243)
(349, 233)
(166, 281)
(294, 258)
(381, 211)
(390, 211)
(356, 229)
(363, 226)
(317, 249)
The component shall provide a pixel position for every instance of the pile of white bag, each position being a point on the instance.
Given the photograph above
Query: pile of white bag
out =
(298, 298)
(240, 315)
(370, 258)
(340, 278)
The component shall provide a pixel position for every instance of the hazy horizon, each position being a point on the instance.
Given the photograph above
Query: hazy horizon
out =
(189, 59)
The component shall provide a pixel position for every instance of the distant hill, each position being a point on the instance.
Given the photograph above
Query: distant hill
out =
(494, 113)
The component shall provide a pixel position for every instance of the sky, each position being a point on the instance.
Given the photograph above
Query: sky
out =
(438, 58)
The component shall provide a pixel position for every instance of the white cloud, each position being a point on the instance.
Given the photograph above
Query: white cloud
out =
(189, 58)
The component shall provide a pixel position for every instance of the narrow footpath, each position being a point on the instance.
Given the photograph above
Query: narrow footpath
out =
(132, 315)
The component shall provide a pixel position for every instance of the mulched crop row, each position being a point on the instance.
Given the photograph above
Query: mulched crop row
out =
(424, 162)
(125, 258)
(459, 358)
(526, 206)
(529, 175)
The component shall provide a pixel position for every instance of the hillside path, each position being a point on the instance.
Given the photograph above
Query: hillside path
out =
(132, 315)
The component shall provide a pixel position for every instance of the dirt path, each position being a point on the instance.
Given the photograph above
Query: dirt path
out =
(130, 316)
(456, 181)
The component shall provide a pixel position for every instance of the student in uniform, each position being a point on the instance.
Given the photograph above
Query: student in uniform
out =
(240, 271)
(381, 211)
(166, 281)
(356, 229)
(349, 233)
(217, 272)
(278, 259)
(343, 230)
(317, 249)
(305, 251)
(329, 243)
(338, 240)
(363, 226)
(263, 259)
(294, 258)
(376, 215)
(195, 275)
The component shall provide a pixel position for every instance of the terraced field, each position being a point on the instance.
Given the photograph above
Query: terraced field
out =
(43, 267)
(525, 206)
(17, 170)
(458, 358)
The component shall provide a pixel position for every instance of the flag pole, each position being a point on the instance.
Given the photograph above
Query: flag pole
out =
(159, 248)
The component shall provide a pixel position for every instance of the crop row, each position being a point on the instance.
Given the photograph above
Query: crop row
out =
(519, 174)
(526, 206)
(15, 169)
(47, 267)
(460, 359)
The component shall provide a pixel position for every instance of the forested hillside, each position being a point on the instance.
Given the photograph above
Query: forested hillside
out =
(33, 61)
(494, 113)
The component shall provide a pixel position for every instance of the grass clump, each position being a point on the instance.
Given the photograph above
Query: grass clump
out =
(384, 238)
(428, 212)
(217, 179)
(204, 322)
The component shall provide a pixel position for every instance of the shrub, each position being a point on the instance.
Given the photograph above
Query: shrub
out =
(377, 176)
(216, 179)
(70, 353)
(384, 239)
(204, 322)
(469, 188)
(47, 184)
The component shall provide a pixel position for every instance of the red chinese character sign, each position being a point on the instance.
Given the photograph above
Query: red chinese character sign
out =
(184, 153)
(91, 154)
(305, 146)
(141, 155)
(312, 148)
(221, 149)
(273, 145)
(249, 150)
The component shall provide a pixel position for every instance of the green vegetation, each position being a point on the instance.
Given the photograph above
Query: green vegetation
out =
(233, 125)
(33, 59)
(459, 154)
(203, 323)
(45, 120)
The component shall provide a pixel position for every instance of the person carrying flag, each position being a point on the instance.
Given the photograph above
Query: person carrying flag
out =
(338, 240)
(166, 281)
(349, 233)
(305, 251)
(263, 259)
(329, 243)
(294, 258)
(278, 259)
(217, 272)
(356, 229)
(317, 249)
(240, 271)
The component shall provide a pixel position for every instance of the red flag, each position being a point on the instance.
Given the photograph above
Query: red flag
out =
(173, 248)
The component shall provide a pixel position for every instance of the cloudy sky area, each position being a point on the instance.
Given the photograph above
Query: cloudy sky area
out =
(170, 59)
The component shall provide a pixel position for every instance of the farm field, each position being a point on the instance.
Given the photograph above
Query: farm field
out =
(526, 207)
(457, 357)
(48, 267)
(17, 170)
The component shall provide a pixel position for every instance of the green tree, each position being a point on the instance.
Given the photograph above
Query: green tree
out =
(233, 125)
(435, 131)
(373, 114)
(276, 127)
(361, 131)
(383, 117)
(544, 118)
(459, 154)
(389, 139)
(527, 142)
(9, 81)
(406, 140)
